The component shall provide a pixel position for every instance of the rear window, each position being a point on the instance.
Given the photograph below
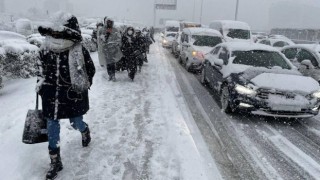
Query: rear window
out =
(172, 29)
(239, 34)
(210, 41)
(171, 35)
(258, 58)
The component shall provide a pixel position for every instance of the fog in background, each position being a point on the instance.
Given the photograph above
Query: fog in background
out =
(260, 14)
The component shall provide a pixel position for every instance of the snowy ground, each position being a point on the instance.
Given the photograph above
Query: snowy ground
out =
(140, 130)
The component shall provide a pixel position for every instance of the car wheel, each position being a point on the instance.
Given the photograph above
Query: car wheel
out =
(180, 60)
(225, 100)
(203, 77)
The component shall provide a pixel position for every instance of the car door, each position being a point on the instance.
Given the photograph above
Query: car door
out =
(305, 54)
(210, 65)
(217, 74)
(184, 47)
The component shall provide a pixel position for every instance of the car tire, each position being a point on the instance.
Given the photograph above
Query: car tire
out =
(203, 77)
(180, 60)
(225, 99)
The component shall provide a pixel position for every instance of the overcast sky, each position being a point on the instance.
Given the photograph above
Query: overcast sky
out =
(255, 12)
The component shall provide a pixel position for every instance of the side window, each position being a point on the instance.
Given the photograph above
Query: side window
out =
(182, 37)
(186, 38)
(224, 55)
(266, 42)
(290, 53)
(304, 54)
(215, 51)
(280, 44)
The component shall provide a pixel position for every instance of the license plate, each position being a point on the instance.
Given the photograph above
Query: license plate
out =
(285, 108)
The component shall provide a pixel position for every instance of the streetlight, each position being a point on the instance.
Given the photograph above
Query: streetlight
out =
(237, 7)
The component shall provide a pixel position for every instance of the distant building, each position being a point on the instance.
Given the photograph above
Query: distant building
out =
(289, 14)
(297, 21)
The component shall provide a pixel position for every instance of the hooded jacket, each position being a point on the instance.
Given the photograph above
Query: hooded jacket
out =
(109, 43)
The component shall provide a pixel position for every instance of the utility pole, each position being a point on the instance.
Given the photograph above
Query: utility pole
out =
(194, 10)
(201, 11)
(2, 6)
(154, 14)
(237, 8)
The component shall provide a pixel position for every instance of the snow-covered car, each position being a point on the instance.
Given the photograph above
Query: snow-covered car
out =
(233, 30)
(306, 57)
(17, 57)
(195, 43)
(259, 79)
(36, 39)
(167, 39)
(256, 36)
(278, 43)
(176, 47)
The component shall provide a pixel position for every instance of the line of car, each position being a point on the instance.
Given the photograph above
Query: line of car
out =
(280, 81)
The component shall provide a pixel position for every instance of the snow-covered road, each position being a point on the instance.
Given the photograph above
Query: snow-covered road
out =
(140, 130)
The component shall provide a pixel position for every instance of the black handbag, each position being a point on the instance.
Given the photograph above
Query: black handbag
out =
(35, 127)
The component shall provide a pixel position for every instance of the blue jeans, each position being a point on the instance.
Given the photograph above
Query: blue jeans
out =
(53, 127)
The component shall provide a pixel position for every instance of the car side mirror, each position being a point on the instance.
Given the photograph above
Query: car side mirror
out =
(307, 63)
(218, 63)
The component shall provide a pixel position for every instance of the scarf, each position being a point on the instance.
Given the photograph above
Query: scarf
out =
(77, 69)
(57, 45)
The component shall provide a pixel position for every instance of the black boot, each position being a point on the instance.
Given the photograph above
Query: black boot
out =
(86, 138)
(55, 166)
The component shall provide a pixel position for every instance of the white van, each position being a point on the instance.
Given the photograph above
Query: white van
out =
(172, 26)
(233, 30)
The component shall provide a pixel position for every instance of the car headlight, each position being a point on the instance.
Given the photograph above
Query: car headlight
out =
(244, 90)
(316, 94)
(165, 41)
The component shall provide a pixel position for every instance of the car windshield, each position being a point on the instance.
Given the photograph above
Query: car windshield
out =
(172, 29)
(239, 34)
(259, 58)
(210, 41)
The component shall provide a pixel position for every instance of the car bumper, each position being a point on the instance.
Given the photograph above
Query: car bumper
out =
(195, 64)
(261, 107)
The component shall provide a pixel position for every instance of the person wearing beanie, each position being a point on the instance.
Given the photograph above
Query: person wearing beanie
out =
(65, 75)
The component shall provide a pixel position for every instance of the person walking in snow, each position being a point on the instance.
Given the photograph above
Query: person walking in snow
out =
(109, 42)
(141, 44)
(65, 75)
(130, 51)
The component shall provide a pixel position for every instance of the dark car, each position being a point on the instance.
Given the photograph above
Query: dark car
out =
(259, 79)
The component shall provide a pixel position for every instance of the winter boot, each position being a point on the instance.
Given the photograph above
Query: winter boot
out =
(86, 138)
(55, 165)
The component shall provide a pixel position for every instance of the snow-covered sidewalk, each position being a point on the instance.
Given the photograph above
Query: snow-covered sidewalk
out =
(140, 130)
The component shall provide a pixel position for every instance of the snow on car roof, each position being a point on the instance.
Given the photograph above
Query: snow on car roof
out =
(274, 40)
(229, 24)
(247, 46)
(203, 31)
(311, 47)
(172, 23)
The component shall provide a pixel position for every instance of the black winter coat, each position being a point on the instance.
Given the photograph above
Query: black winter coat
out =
(128, 47)
(141, 42)
(59, 100)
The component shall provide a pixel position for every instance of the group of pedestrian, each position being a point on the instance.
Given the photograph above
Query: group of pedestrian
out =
(66, 71)
(122, 50)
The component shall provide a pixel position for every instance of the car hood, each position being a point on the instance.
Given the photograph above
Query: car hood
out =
(286, 82)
